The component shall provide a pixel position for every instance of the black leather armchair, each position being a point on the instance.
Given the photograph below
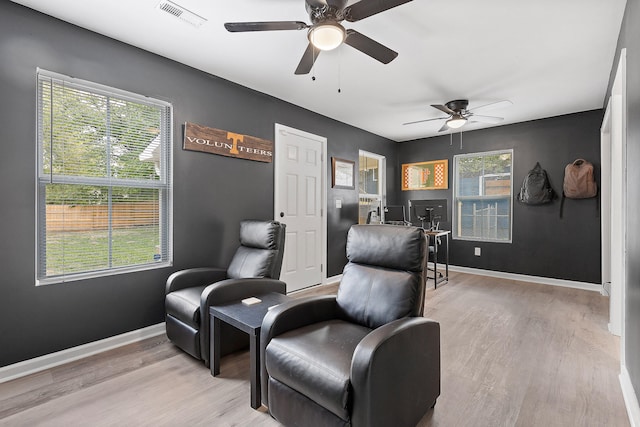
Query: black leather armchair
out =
(254, 268)
(365, 357)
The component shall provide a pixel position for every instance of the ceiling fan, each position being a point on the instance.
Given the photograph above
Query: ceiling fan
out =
(459, 115)
(326, 32)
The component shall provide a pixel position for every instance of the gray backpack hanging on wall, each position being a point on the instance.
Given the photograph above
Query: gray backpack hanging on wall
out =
(536, 189)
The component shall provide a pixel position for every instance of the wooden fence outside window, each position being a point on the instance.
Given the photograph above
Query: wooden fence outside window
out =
(96, 217)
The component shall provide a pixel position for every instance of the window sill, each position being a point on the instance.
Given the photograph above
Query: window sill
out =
(102, 273)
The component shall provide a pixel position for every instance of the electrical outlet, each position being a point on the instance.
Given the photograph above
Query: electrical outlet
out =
(476, 252)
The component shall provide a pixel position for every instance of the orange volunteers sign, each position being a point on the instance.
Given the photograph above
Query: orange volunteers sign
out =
(225, 143)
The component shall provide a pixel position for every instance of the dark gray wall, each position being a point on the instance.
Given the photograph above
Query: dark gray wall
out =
(212, 193)
(630, 39)
(207, 207)
(543, 244)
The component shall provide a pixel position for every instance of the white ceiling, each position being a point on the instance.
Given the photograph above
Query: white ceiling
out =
(548, 57)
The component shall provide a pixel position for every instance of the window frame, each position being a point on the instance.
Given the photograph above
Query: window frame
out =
(455, 197)
(164, 184)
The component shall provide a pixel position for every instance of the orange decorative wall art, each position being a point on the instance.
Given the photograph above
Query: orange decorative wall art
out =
(433, 175)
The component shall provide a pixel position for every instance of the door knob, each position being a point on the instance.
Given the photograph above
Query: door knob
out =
(281, 214)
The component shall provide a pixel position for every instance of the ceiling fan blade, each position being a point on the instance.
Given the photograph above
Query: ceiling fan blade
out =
(239, 27)
(365, 8)
(444, 109)
(308, 58)
(498, 104)
(485, 119)
(444, 127)
(425, 120)
(370, 47)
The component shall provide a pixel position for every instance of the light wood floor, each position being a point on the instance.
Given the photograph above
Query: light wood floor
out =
(513, 354)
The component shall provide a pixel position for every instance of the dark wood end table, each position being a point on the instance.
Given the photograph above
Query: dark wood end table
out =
(247, 318)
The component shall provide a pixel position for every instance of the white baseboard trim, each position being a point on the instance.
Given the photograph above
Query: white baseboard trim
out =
(512, 276)
(333, 279)
(37, 364)
(630, 398)
(327, 281)
(526, 278)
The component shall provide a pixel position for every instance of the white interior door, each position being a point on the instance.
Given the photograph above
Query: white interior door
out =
(614, 192)
(298, 193)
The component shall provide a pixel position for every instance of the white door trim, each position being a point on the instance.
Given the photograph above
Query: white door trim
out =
(605, 199)
(621, 79)
(382, 178)
(284, 130)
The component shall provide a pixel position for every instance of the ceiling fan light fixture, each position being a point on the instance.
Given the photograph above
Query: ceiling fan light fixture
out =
(327, 35)
(456, 122)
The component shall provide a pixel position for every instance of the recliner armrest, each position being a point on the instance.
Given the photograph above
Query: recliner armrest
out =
(292, 315)
(298, 313)
(194, 277)
(395, 373)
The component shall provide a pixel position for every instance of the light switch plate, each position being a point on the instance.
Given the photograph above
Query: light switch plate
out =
(338, 203)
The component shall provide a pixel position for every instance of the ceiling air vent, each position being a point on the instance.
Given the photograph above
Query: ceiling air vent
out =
(181, 13)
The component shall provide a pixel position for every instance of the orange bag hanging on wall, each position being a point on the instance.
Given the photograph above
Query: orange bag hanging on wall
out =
(579, 180)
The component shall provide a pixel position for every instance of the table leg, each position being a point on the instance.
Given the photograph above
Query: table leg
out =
(214, 345)
(435, 262)
(447, 257)
(254, 352)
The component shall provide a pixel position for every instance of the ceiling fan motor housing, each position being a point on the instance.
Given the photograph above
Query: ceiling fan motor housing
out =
(458, 105)
(320, 11)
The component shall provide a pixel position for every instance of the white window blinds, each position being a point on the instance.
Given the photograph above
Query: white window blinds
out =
(104, 180)
(482, 196)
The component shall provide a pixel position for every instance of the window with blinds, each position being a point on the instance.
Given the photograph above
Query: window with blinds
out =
(104, 180)
(482, 193)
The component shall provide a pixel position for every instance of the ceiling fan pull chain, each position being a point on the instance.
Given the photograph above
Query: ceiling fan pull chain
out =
(340, 71)
(461, 140)
(313, 55)
(451, 139)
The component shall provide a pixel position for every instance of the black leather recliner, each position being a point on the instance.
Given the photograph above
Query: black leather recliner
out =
(254, 269)
(365, 357)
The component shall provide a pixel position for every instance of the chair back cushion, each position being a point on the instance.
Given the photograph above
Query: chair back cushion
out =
(260, 252)
(384, 279)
